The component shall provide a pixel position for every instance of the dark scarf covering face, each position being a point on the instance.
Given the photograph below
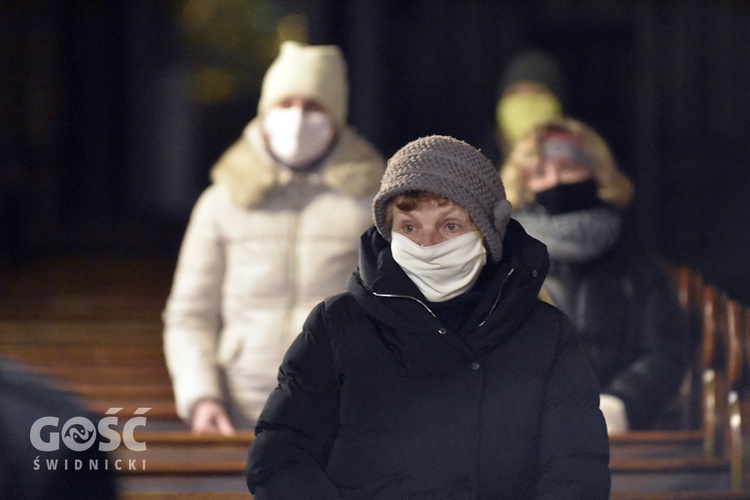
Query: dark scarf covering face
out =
(565, 198)
(574, 224)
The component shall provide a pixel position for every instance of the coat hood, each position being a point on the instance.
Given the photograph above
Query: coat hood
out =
(386, 293)
(353, 167)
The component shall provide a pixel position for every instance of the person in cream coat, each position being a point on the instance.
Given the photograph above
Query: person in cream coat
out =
(275, 233)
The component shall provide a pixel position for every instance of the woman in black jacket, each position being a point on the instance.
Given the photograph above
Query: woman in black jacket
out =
(439, 374)
(568, 192)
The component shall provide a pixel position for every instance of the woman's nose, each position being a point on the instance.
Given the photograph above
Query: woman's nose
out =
(428, 238)
(553, 176)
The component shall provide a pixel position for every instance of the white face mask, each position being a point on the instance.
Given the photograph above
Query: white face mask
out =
(298, 137)
(442, 271)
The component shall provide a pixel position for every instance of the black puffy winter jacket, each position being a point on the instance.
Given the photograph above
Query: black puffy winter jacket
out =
(377, 399)
(626, 313)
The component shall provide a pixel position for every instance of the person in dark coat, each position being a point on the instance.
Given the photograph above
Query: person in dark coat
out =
(566, 188)
(439, 373)
(28, 473)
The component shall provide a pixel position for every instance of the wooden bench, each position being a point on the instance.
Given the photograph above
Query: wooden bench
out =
(716, 457)
(92, 331)
(679, 495)
(110, 375)
(179, 461)
(185, 496)
(82, 306)
(657, 444)
(108, 364)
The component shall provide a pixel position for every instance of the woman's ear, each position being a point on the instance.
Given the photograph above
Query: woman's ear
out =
(501, 216)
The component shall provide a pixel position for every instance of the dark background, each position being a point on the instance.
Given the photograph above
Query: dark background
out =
(113, 112)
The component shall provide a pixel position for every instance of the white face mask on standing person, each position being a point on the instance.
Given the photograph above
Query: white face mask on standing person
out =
(298, 132)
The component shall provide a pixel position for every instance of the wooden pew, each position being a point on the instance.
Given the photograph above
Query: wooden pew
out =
(109, 375)
(690, 292)
(185, 496)
(670, 475)
(657, 444)
(84, 288)
(108, 363)
(76, 331)
(677, 495)
(84, 355)
(721, 459)
(182, 452)
(103, 306)
(89, 274)
(179, 462)
(738, 439)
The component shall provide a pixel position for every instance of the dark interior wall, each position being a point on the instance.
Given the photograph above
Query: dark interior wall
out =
(105, 145)
(702, 126)
(666, 83)
(435, 65)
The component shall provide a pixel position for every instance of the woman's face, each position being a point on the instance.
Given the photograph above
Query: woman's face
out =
(546, 173)
(431, 222)
(556, 157)
(298, 131)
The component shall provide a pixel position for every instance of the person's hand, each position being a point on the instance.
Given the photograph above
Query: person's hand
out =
(209, 416)
(614, 413)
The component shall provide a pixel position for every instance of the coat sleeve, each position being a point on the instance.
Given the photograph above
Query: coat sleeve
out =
(652, 380)
(574, 447)
(299, 422)
(192, 314)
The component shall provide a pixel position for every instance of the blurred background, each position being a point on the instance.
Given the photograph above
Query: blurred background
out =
(114, 112)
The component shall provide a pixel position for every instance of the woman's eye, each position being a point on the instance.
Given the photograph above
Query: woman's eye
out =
(452, 226)
(312, 106)
(409, 228)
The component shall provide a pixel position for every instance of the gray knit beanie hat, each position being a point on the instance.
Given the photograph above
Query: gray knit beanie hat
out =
(538, 66)
(452, 168)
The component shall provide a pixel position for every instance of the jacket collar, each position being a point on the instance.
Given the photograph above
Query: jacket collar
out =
(384, 291)
(352, 167)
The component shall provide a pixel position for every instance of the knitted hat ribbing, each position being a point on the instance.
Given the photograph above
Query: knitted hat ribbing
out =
(316, 71)
(452, 168)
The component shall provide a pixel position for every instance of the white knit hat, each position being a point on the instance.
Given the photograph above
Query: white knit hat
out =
(316, 71)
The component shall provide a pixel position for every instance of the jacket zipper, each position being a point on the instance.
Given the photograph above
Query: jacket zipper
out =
(395, 296)
(494, 305)
(497, 299)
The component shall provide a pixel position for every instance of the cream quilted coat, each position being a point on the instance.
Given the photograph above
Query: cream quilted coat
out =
(262, 248)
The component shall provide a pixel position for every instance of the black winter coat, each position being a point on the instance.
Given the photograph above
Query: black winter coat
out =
(26, 473)
(377, 399)
(627, 316)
